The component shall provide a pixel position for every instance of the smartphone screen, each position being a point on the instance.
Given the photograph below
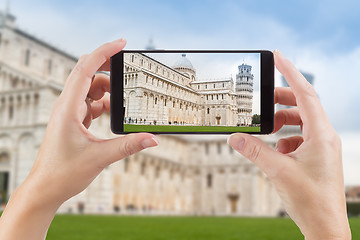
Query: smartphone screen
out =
(190, 91)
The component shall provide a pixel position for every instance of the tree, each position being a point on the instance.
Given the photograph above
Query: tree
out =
(256, 119)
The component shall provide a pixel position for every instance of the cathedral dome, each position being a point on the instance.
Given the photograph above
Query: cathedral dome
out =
(183, 62)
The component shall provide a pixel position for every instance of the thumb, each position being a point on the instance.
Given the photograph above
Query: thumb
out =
(267, 159)
(113, 150)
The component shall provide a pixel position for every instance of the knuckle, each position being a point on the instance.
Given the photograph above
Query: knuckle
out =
(107, 45)
(127, 149)
(78, 67)
(253, 152)
(83, 57)
(309, 90)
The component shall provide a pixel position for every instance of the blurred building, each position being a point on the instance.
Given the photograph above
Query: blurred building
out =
(184, 175)
(353, 200)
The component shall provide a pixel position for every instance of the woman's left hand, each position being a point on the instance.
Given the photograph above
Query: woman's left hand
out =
(70, 157)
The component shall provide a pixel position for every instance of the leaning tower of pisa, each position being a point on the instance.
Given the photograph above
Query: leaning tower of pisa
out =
(244, 94)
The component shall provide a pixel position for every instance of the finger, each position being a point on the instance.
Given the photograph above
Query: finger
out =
(100, 106)
(99, 86)
(69, 79)
(290, 144)
(80, 78)
(87, 118)
(105, 67)
(284, 96)
(267, 159)
(312, 114)
(288, 116)
(119, 148)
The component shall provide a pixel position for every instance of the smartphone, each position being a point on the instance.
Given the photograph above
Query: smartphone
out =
(192, 91)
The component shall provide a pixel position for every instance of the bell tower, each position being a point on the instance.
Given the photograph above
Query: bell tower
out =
(244, 94)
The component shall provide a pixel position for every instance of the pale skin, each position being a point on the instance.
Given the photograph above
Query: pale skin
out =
(306, 171)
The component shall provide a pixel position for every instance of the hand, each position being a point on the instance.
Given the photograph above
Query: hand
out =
(70, 157)
(305, 170)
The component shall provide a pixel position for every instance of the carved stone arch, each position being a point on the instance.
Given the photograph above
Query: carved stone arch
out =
(6, 141)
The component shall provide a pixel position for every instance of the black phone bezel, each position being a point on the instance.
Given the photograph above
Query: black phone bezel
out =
(266, 86)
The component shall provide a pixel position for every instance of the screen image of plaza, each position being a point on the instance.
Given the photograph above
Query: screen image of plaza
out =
(191, 92)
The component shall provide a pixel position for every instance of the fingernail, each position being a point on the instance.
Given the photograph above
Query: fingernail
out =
(150, 142)
(240, 144)
(277, 52)
(120, 40)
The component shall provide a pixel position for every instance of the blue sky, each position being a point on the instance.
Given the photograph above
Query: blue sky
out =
(320, 37)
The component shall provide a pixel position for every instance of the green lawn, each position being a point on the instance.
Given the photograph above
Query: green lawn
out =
(177, 128)
(73, 227)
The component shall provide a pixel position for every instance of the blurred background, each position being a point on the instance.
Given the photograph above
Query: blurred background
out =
(40, 42)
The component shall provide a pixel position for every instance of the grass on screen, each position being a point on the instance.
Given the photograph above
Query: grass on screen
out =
(177, 128)
(76, 227)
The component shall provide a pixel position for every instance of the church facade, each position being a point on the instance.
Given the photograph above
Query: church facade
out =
(174, 95)
(188, 175)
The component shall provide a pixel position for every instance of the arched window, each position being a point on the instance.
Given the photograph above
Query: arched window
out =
(142, 170)
(173, 104)
(165, 103)
(222, 95)
(49, 66)
(208, 111)
(217, 97)
(157, 172)
(27, 57)
(207, 97)
(126, 164)
(156, 100)
(209, 180)
(132, 58)
(11, 112)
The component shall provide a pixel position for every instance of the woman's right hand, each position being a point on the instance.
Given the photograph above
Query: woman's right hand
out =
(305, 170)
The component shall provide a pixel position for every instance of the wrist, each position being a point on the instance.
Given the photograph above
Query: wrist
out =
(29, 212)
(330, 231)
